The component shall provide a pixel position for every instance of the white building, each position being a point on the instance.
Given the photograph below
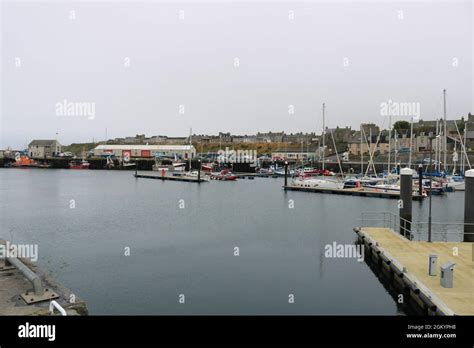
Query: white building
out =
(44, 148)
(183, 151)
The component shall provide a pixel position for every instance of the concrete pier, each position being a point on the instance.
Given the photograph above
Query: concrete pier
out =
(407, 263)
(16, 292)
(361, 191)
(158, 176)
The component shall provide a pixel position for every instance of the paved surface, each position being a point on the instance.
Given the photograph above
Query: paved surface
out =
(13, 283)
(414, 256)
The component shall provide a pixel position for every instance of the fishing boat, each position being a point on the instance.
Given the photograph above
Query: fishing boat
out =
(79, 165)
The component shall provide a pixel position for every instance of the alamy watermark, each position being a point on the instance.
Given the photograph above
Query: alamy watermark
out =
(69, 108)
(344, 251)
(392, 108)
(26, 251)
(237, 156)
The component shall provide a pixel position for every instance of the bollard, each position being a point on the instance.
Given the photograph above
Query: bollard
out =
(406, 192)
(199, 171)
(469, 206)
(286, 173)
(420, 180)
(432, 264)
(162, 172)
(447, 274)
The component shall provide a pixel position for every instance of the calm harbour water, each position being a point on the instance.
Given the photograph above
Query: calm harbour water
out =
(190, 251)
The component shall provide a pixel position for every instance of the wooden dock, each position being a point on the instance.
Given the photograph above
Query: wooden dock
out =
(407, 262)
(361, 191)
(158, 176)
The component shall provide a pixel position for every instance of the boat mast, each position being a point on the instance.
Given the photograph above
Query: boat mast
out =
(395, 142)
(370, 148)
(389, 141)
(437, 146)
(324, 134)
(361, 153)
(464, 149)
(445, 132)
(455, 149)
(190, 144)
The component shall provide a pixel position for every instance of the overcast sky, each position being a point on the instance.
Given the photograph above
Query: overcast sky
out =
(234, 66)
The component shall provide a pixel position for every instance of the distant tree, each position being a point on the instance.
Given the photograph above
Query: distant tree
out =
(401, 126)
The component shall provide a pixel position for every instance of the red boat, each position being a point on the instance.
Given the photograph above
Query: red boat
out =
(224, 175)
(79, 165)
(313, 171)
(207, 167)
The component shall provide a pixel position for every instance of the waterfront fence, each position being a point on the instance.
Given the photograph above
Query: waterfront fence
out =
(418, 231)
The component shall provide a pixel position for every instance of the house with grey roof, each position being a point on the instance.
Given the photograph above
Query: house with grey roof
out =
(44, 148)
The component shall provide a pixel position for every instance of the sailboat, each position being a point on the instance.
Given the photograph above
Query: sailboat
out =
(305, 180)
(317, 183)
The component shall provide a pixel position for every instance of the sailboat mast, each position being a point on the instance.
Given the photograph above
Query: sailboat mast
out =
(464, 149)
(370, 149)
(389, 141)
(437, 146)
(361, 152)
(445, 132)
(395, 142)
(324, 134)
(190, 144)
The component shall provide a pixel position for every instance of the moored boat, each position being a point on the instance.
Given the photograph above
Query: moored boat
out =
(224, 175)
(79, 164)
(318, 183)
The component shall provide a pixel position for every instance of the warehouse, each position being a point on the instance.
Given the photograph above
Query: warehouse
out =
(181, 151)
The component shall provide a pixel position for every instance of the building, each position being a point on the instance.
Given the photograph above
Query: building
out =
(238, 139)
(222, 138)
(270, 137)
(119, 151)
(376, 147)
(44, 148)
(293, 155)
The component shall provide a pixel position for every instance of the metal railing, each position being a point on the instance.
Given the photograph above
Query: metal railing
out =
(54, 305)
(413, 230)
(34, 279)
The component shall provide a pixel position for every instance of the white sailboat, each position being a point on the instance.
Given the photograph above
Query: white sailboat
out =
(321, 182)
(318, 183)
